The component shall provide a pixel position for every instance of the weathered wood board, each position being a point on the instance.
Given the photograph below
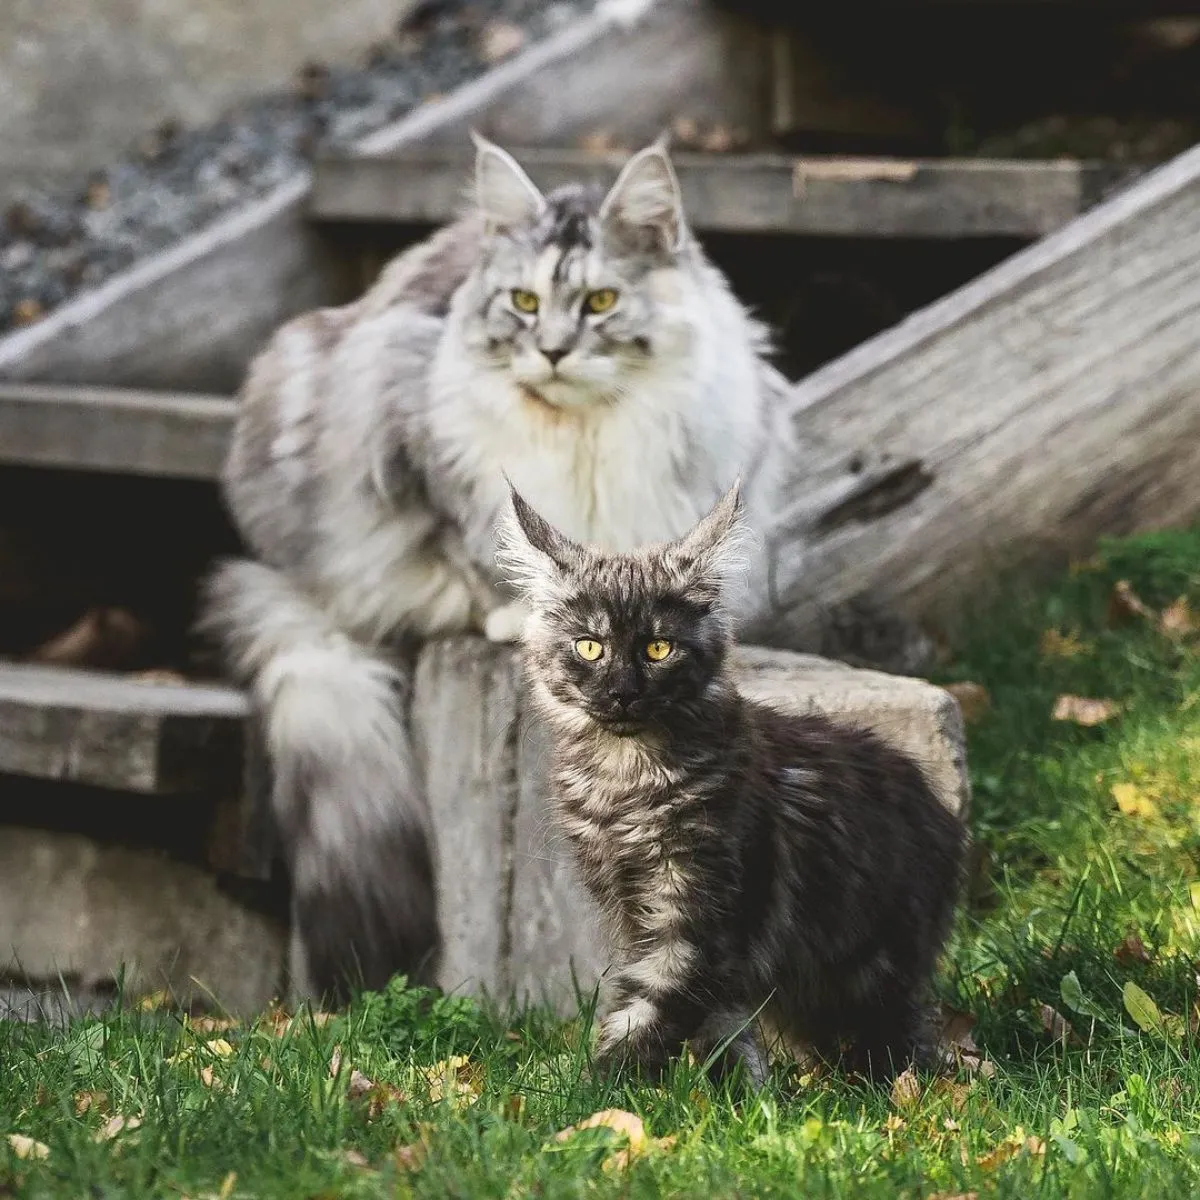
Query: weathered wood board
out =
(1051, 400)
(748, 193)
(514, 918)
(119, 732)
(114, 429)
(192, 316)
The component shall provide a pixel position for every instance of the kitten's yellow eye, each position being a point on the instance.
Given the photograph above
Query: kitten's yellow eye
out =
(588, 650)
(602, 300)
(525, 302)
(659, 649)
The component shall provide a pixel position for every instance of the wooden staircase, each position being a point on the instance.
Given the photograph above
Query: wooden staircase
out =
(890, 474)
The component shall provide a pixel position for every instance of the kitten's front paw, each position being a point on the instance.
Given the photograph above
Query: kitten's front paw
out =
(506, 623)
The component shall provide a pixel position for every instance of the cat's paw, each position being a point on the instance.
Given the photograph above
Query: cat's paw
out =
(506, 623)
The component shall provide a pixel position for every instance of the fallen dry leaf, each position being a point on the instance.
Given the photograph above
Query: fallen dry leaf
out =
(204, 1025)
(1056, 1025)
(894, 1123)
(1178, 620)
(453, 1078)
(116, 1127)
(1125, 603)
(1010, 1147)
(1131, 950)
(227, 1185)
(1083, 710)
(956, 1092)
(500, 40)
(973, 699)
(208, 1078)
(1062, 645)
(411, 1157)
(28, 310)
(620, 1160)
(617, 1119)
(26, 1147)
(86, 1101)
(1132, 801)
(355, 1158)
(906, 1089)
(953, 1196)
(154, 1001)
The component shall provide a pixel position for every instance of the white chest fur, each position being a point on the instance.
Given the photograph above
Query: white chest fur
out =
(640, 469)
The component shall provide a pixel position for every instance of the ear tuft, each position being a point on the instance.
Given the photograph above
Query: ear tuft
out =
(717, 548)
(504, 194)
(530, 552)
(646, 196)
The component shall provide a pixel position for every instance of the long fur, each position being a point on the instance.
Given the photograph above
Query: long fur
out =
(367, 471)
(748, 861)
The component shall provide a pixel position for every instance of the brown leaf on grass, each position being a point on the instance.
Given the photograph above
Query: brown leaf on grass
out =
(115, 1127)
(906, 1089)
(153, 1001)
(454, 1078)
(209, 1079)
(973, 699)
(1125, 603)
(1131, 950)
(1178, 620)
(1133, 802)
(1056, 1025)
(621, 1160)
(1062, 645)
(361, 1087)
(87, 1101)
(25, 1147)
(205, 1025)
(953, 1196)
(227, 1185)
(355, 1158)
(957, 1093)
(410, 1157)
(1014, 1144)
(1083, 710)
(616, 1119)
(500, 40)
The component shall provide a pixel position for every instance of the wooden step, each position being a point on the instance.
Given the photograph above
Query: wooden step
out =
(135, 432)
(119, 731)
(749, 193)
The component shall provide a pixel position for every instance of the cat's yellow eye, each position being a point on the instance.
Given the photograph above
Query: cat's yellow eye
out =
(601, 300)
(659, 649)
(588, 650)
(523, 301)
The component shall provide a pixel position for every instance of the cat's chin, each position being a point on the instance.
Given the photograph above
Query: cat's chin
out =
(621, 729)
(559, 395)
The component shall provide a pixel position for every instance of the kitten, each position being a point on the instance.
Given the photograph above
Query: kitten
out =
(745, 860)
(580, 341)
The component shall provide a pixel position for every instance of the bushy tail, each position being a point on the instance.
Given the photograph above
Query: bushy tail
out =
(346, 792)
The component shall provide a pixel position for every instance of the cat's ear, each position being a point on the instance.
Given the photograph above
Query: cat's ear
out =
(715, 549)
(505, 195)
(533, 555)
(646, 196)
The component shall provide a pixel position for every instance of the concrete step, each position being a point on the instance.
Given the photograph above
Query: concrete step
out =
(748, 193)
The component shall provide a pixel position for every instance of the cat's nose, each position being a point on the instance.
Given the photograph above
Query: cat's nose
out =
(555, 356)
(622, 697)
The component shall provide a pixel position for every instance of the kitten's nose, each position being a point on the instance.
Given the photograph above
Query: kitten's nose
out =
(622, 697)
(555, 356)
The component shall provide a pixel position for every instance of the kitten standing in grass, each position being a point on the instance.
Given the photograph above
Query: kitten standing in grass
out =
(746, 860)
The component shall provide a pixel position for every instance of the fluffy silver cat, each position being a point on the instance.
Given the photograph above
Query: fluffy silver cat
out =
(580, 344)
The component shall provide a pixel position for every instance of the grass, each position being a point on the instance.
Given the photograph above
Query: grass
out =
(1090, 839)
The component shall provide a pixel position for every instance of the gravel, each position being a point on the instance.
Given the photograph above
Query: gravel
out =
(54, 245)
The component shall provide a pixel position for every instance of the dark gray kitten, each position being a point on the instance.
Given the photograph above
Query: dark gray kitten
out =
(747, 861)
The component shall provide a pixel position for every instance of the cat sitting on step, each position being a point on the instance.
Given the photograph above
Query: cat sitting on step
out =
(580, 343)
(748, 862)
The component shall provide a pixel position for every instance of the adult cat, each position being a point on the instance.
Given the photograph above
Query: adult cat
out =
(582, 345)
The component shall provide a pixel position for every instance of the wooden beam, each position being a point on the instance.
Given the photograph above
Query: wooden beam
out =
(110, 429)
(119, 732)
(750, 193)
(1053, 399)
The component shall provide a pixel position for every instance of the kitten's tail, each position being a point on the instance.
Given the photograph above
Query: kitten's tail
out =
(346, 792)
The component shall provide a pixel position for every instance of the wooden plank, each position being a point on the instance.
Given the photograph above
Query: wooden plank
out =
(748, 193)
(1053, 399)
(114, 429)
(464, 721)
(118, 732)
